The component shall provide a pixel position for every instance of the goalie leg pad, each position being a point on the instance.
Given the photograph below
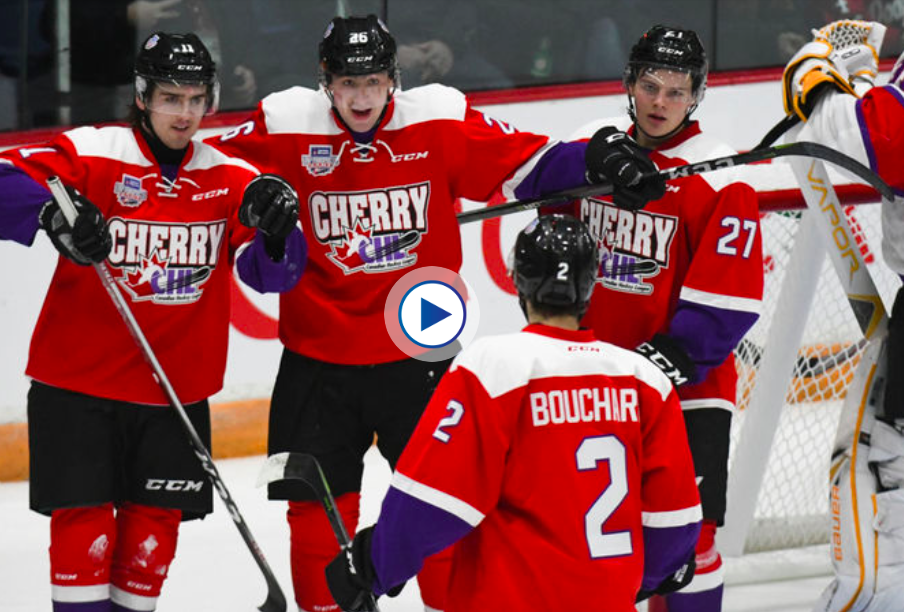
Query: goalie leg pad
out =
(893, 404)
(312, 547)
(81, 551)
(145, 547)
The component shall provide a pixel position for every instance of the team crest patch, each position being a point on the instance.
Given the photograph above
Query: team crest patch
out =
(320, 160)
(129, 192)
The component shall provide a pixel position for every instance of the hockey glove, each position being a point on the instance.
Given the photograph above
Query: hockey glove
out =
(350, 576)
(613, 156)
(843, 55)
(677, 581)
(271, 205)
(668, 355)
(88, 241)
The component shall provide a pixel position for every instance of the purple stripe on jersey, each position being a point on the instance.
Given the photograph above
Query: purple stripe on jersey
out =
(896, 92)
(709, 334)
(561, 167)
(84, 606)
(665, 550)
(264, 275)
(21, 200)
(408, 531)
(864, 135)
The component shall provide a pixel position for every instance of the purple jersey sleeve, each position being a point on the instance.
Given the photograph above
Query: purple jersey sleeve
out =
(21, 200)
(263, 274)
(666, 549)
(561, 167)
(724, 330)
(409, 531)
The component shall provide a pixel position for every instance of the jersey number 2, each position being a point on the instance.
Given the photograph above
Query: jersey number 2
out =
(591, 454)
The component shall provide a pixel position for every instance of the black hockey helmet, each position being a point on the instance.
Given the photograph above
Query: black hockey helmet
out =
(181, 59)
(357, 46)
(556, 261)
(672, 49)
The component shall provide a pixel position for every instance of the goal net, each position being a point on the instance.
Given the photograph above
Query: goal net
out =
(794, 368)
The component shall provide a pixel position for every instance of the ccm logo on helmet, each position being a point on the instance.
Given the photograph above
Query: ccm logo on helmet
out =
(157, 484)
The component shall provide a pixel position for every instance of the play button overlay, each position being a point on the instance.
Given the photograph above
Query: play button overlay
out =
(431, 313)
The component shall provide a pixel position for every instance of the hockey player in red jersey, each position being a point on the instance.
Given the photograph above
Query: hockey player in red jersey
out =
(554, 460)
(372, 162)
(110, 461)
(832, 91)
(681, 280)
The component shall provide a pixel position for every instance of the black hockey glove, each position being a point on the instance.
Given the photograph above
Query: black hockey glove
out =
(675, 582)
(668, 355)
(613, 156)
(271, 205)
(89, 241)
(350, 576)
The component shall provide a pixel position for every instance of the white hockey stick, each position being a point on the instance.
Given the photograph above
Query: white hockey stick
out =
(276, 601)
(859, 408)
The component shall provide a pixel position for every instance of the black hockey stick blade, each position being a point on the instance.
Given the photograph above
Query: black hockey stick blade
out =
(306, 468)
(800, 149)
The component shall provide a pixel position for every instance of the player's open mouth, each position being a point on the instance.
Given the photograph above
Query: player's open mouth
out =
(361, 114)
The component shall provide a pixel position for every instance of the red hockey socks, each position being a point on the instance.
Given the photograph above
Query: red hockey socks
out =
(146, 545)
(313, 545)
(433, 580)
(81, 550)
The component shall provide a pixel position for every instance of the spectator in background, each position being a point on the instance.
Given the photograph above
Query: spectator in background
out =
(441, 42)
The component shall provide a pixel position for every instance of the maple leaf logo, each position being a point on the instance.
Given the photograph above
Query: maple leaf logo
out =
(141, 281)
(349, 254)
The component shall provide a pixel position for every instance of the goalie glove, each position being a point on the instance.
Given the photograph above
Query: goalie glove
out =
(843, 55)
(668, 355)
(271, 205)
(88, 241)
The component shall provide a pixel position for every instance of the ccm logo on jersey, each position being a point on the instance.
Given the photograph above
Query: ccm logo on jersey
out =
(157, 484)
(210, 194)
(583, 406)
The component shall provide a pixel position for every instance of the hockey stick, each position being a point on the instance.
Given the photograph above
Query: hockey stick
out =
(276, 601)
(799, 149)
(305, 467)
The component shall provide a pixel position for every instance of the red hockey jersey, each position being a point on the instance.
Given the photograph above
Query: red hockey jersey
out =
(689, 265)
(173, 243)
(555, 461)
(429, 149)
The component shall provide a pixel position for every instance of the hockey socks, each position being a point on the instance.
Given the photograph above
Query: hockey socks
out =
(313, 546)
(145, 547)
(81, 550)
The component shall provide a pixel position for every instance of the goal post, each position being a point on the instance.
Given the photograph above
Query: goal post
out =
(794, 368)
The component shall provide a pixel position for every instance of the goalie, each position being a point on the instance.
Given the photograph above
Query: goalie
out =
(829, 85)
